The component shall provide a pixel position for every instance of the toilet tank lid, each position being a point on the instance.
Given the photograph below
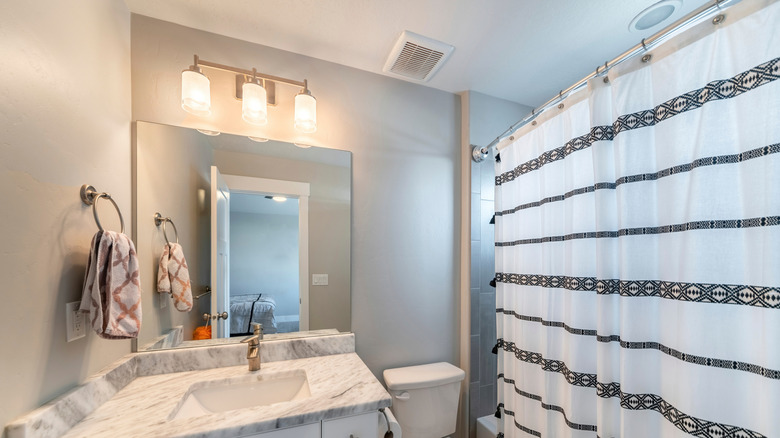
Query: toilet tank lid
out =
(422, 376)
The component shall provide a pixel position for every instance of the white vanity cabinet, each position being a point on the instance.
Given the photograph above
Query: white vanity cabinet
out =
(357, 426)
(306, 431)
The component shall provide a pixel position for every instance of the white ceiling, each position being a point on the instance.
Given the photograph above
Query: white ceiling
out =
(258, 204)
(519, 50)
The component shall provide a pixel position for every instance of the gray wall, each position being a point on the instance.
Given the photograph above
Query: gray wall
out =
(64, 121)
(405, 144)
(264, 258)
(488, 117)
(171, 166)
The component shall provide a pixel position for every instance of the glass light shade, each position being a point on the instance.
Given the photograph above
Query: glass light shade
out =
(195, 93)
(305, 113)
(279, 198)
(254, 106)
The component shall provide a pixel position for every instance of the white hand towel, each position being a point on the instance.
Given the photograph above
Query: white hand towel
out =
(112, 291)
(173, 276)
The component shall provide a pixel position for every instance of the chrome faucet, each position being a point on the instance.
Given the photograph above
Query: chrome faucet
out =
(253, 347)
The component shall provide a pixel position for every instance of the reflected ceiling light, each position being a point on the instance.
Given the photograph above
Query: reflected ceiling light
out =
(277, 198)
(255, 90)
(305, 110)
(254, 105)
(195, 91)
(654, 15)
(258, 139)
(209, 132)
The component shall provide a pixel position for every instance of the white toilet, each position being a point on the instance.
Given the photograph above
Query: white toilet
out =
(425, 398)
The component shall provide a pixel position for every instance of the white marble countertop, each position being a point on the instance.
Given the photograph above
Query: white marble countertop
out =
(340, 385)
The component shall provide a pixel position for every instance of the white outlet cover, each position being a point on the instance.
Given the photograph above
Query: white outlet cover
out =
(319, 279)
(74, 321)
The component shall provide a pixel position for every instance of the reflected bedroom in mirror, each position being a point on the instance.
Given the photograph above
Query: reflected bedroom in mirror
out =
(260, 227)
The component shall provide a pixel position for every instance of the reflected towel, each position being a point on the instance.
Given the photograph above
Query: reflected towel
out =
(112, 291)
(173, 276)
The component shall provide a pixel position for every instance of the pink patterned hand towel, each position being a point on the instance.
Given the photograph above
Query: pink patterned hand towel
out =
(173, 277)
(112, 291)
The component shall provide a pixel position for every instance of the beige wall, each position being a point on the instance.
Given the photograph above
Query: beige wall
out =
(329, 227)
(405, 143)
(64, 121)
(171, 166)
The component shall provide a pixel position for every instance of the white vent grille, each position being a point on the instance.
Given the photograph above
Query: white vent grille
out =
(417, 57)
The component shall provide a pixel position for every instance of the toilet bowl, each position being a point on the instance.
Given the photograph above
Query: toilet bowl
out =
(425, 398)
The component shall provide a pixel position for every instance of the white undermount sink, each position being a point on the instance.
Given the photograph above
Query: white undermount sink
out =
(242, 392)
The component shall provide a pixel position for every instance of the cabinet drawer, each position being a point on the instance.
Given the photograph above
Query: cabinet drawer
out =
(358, 426)
(305, 431)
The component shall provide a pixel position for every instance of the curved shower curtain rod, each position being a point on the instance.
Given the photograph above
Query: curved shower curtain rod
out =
(478, 154)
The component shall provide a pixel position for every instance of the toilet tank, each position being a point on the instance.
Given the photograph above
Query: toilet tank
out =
(425, 398)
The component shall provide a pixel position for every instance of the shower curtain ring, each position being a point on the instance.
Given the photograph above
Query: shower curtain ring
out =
(643, 44)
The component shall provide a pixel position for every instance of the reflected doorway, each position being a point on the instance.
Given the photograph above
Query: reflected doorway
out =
(264, 246)
(261, 233)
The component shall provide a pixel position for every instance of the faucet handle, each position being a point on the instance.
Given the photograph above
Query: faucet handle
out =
(256, 336)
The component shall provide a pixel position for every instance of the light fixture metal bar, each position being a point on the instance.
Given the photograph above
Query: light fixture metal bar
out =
(242, 71)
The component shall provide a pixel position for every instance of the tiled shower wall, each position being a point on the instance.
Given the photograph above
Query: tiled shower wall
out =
(483, 295)
(487, 117)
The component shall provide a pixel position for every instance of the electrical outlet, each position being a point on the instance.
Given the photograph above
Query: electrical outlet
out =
(74, 321)
(319, 279)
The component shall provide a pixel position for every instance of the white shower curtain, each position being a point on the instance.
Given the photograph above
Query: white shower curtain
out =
(638, 247)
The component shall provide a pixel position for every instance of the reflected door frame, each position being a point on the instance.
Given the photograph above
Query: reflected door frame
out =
(290, 189)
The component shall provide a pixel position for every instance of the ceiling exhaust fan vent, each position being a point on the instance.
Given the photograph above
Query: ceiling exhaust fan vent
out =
(417, 57)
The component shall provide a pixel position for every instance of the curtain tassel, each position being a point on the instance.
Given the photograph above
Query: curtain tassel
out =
(495, 348)
(493, 282)
(493, 220)
(498, 411)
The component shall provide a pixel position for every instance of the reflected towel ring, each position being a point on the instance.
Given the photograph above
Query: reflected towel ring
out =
(90, 196)
(159, 219)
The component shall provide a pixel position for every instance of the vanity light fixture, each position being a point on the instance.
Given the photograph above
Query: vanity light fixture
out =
(277, 198)
(195, 91)
(209, 132)
(305, 110)
(258, 139)
(302, 145)
(254, 102)
(255, 90)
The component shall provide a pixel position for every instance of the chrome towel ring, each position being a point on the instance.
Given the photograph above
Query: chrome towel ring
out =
(159, 219)
(90, 196)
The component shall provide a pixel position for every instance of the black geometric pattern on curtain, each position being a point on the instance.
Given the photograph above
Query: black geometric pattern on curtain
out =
(739, 294)
(549, 407)
(675, 170)
(713, 91)
(647, 345)
(712, 224)
(691, 425)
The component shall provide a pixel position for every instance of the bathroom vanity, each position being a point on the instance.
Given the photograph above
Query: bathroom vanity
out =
(306, 388)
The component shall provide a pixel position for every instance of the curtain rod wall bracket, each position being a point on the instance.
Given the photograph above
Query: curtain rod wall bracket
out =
(479, 154)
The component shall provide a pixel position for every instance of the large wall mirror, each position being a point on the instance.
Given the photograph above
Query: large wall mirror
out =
(264, 227)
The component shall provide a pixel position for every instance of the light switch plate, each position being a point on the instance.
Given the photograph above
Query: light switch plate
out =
(74, 321)
(319, 279)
